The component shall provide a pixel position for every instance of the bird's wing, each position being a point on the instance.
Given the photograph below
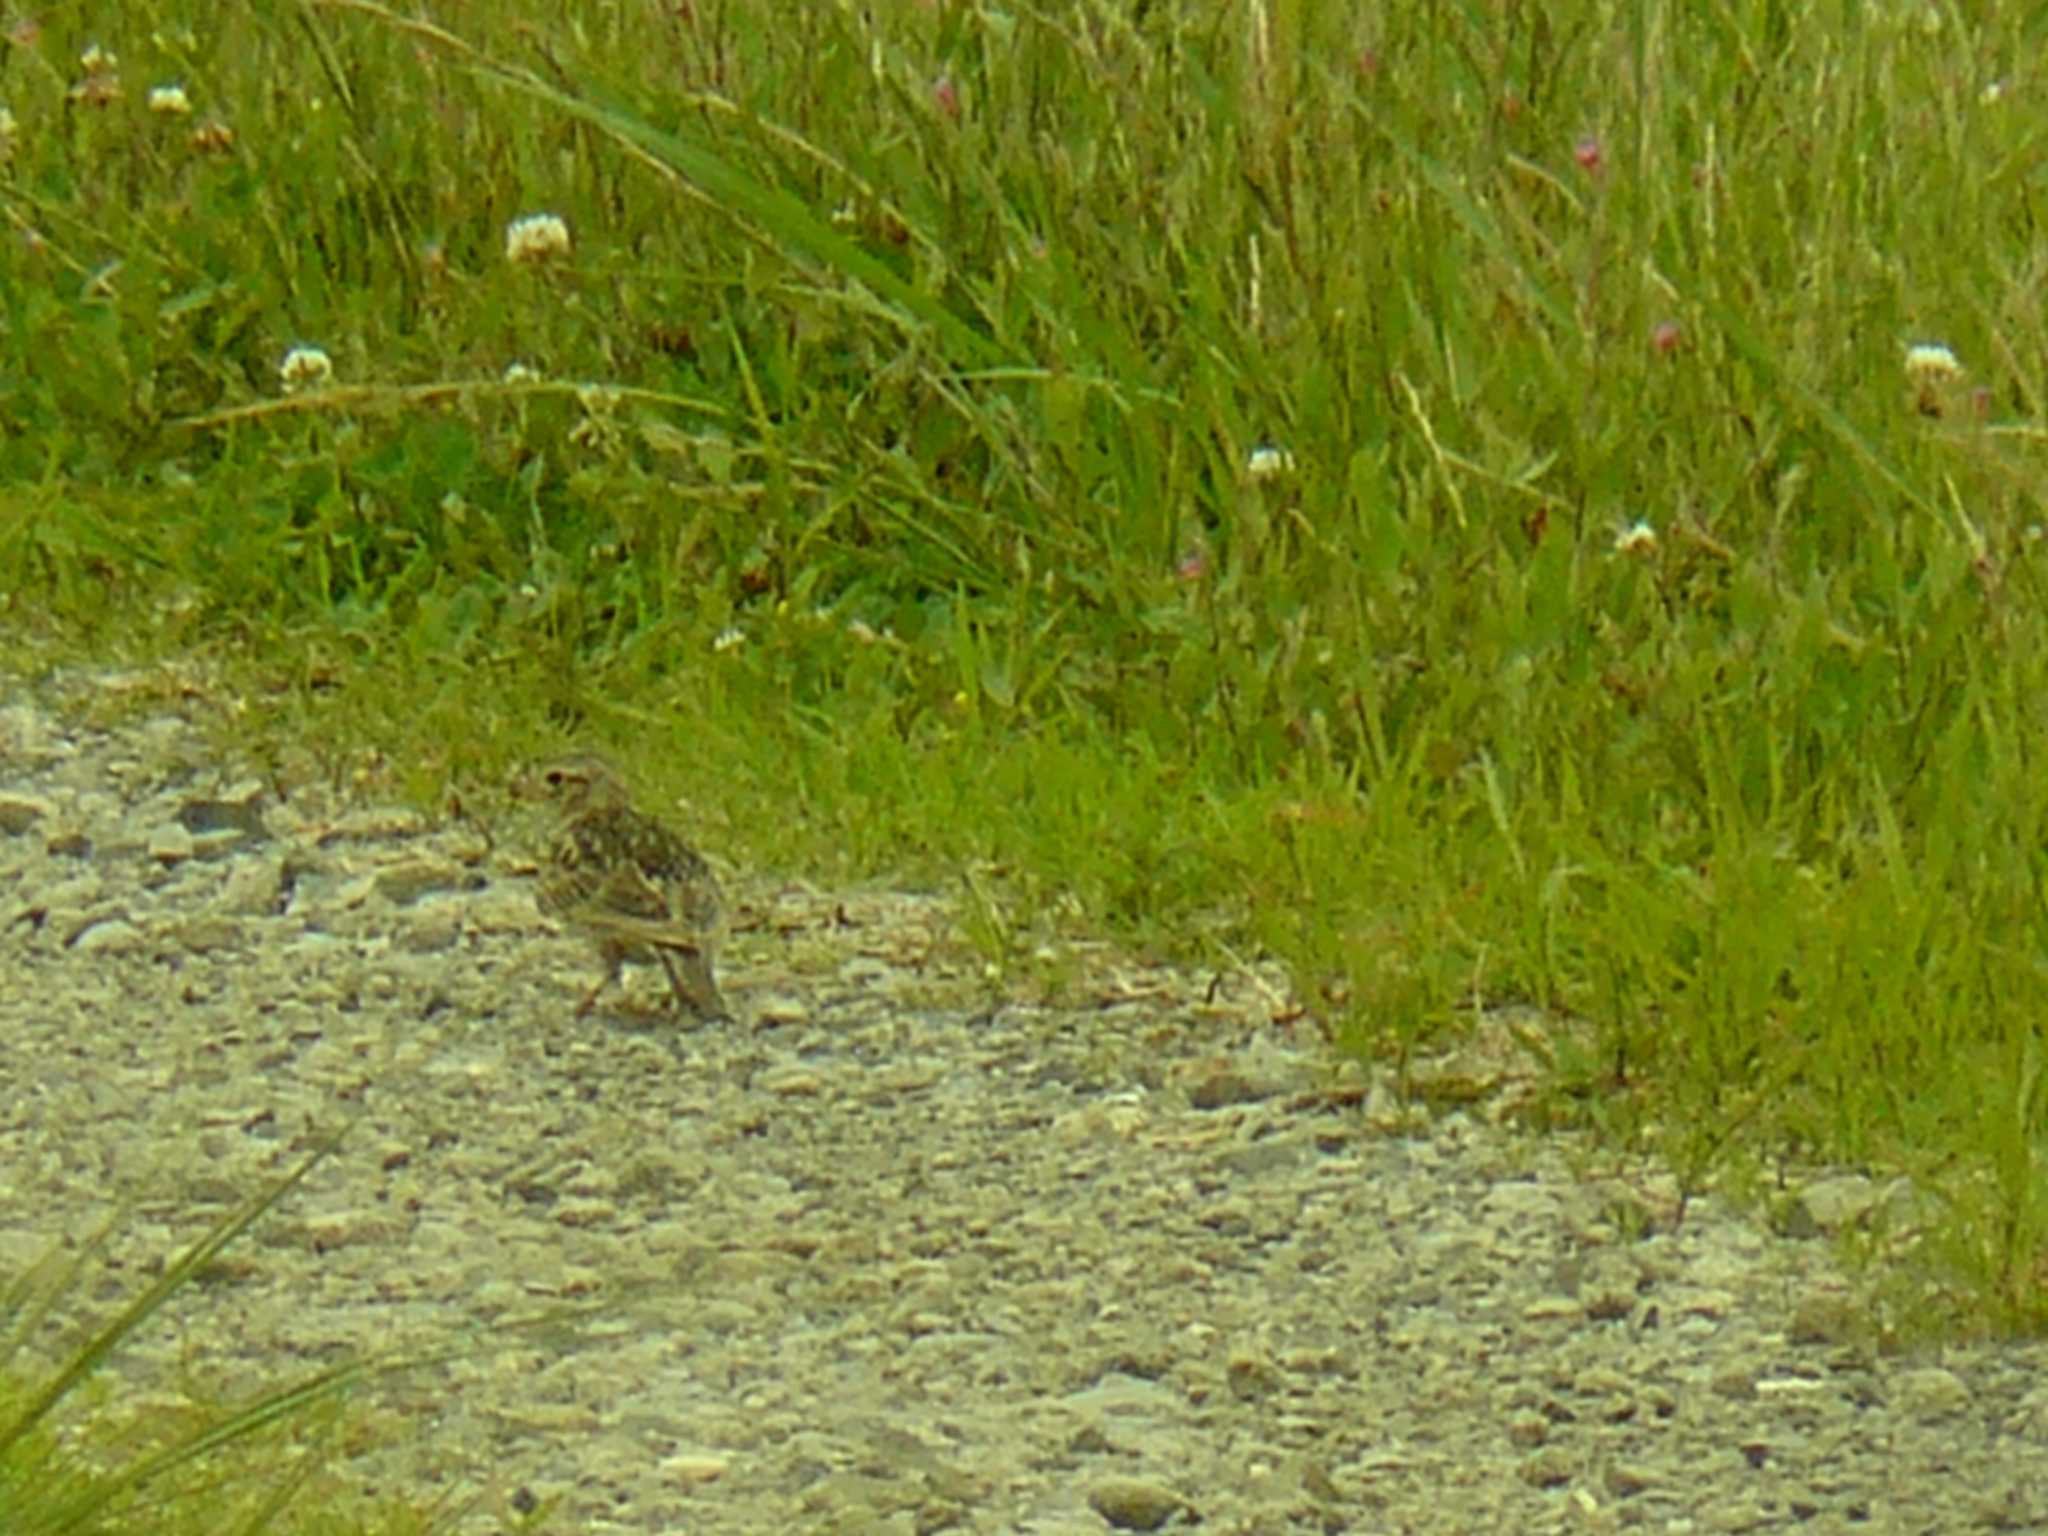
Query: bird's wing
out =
(697, 901)
(564, 889)
(622, 929)
(628, 894)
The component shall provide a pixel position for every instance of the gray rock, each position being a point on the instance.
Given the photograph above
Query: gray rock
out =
(1134, 1503)
(240, 815)
(105, 934)
(170, 844)
(1930, 1392)
(411, 880)
(20, 814)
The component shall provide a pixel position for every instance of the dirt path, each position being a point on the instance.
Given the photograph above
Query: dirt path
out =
(883, 1257)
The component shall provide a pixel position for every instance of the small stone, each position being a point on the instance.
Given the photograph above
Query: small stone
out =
(1318, 1362)
(430, 933)
(1797, 1390)
(1601, 1381)
(1251, 1377)
(695, 1469)
(779, 1009)
(1088, 1440)
(353, 892)
(1823, 1317)
(1250, 1075)
(1228, 1218)
(377, 825)
(2029, 1419)
(721, 1317)
(106, 936)
(1219, 1088)
(1549, 1466)
(410, 880)
(495, 1296)
(1737, 1383)
(1702, 1301)
(1930, 1392)
(242, 815)
(20, 813)
(495, 910)
(1317, 1483)
(219, 844)
(586, 1213)
(348, 1229)
(170, 845)
(1095, 1122)
(864, 971)
(2008, 1507)
(1625, 1478)
(1832, 1205)
(252, 889)
(204, 935)
(1134, 1504)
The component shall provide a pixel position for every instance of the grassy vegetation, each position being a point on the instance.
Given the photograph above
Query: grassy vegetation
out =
(78, 1458)
(1613, 621)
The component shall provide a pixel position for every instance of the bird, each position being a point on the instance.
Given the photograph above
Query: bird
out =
(629, 883)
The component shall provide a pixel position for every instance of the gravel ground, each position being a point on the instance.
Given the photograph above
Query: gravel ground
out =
(890, 1254)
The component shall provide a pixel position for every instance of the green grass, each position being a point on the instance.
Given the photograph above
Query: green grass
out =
(78, 1457)
(878, 475)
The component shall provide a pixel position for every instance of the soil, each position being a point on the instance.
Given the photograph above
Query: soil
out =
(899, 1250)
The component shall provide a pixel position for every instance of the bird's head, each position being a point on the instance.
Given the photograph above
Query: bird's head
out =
(577, 782)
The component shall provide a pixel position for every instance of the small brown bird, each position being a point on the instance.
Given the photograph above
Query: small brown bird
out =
(630, 884)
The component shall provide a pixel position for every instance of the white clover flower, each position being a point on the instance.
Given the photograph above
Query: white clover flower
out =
(520, 373)
(1638, 538)
(1992, 94)
(537, 237)
(305, 368)
(728, 639)
(170, 100)
(1268, 462)
(1929, 360)
(99, 89)
(97, 61)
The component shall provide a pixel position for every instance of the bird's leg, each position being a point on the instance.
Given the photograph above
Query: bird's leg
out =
(696, 989)
(612, 965)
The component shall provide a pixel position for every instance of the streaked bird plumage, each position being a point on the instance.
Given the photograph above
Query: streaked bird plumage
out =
(630, 884)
